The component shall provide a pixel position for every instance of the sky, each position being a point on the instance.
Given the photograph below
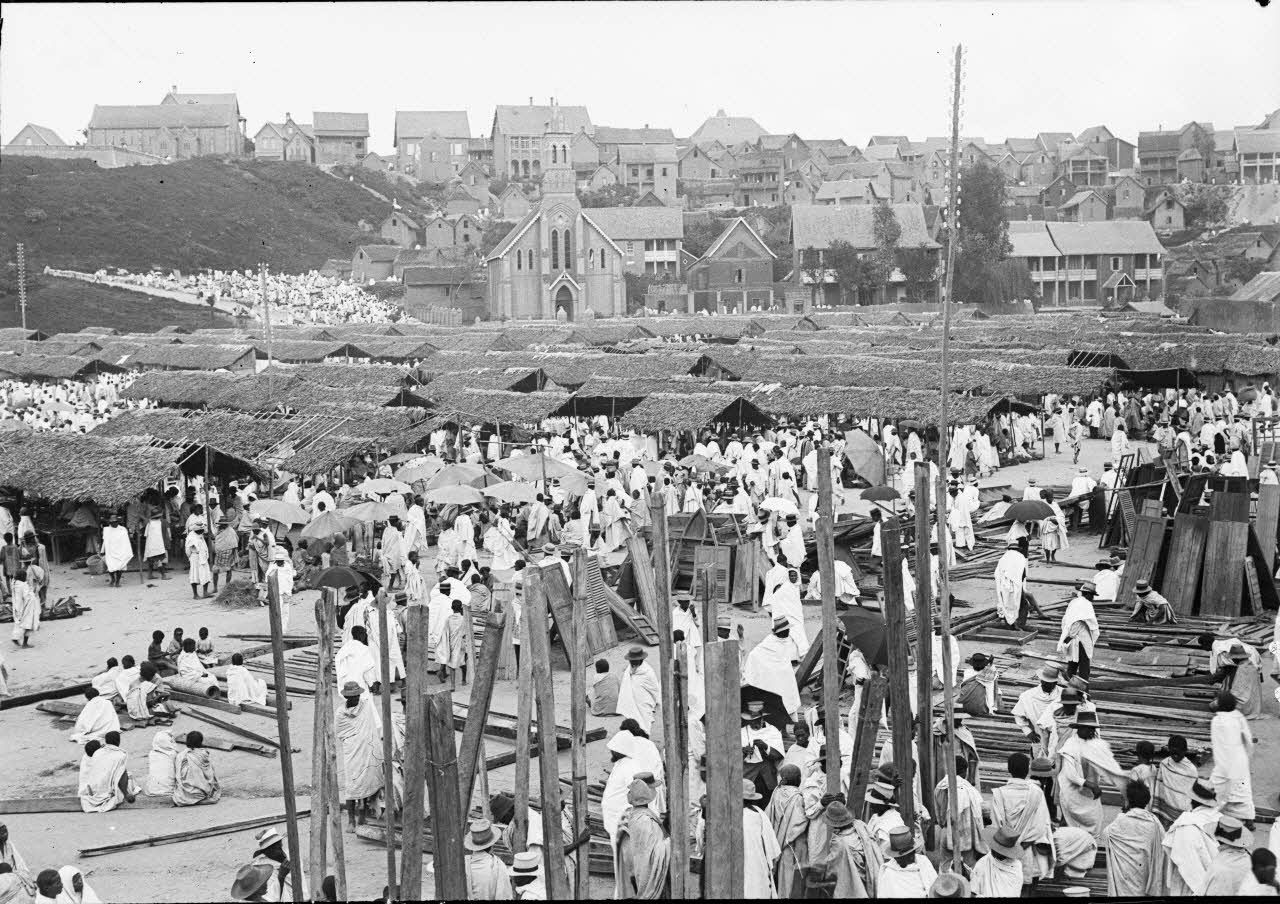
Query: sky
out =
(820, 69)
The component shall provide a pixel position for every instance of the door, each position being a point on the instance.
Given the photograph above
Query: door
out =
(564, 303)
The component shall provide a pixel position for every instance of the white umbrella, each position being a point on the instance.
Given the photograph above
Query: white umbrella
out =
(511, 491)
(384, 485)
(455, 495)
(457, 475)
(540, 466)
(284, 512)
(780, 505)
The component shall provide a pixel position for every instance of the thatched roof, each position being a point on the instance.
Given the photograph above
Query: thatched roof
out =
(692, 411)
(187, 356)
(496, 407)
(177, 387)
(52, 367)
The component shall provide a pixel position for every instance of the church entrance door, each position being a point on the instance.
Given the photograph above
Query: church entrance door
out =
(564, 303)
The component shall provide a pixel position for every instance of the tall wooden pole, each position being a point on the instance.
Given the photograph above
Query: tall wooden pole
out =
(924, 635)
(524, 715)
(486, 670)
(417, 620)
(578, 722)
(446, 828)
(723, 877)
(675, 764)
(548, 756)
(320, 790)
(825, 530)
(944, 591)
(282, 724)
(388, 766)
(895, 611)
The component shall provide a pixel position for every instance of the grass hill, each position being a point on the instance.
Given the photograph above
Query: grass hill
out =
(69, 305)
(187, 215)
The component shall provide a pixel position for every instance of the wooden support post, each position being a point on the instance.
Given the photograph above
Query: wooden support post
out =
(524, 715)
(578, 722)
(864, 739)
(678, 786)
(539, 651)
(899, 680)
(831, 678)
(417, 619)
(320, 740)
(674, 763)
(722, 869)
(485, 671)
(924, 636)
(388, 766)
(708, 609)
(442, 777)
(282, 724)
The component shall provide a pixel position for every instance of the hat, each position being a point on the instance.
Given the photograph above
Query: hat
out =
(1085, 718)
(1088, 587)
(279, 554)
(265, 839)
(1107, 466)
(639, 794)
(1004, 842)
(837, 816)
(1075, 891)
(880, 792)
(1203, 794)
(749, 791)
(351, 689)
(526, 863)
(1042, 767)
(724, 621)
(1237, 653)
(1071, 695)
(251, 879)
(1082, 470)
(779, 624)
(503, 806)
(635, 654)
(260, 519)
(902, 841)
(481, 836)
(549, 549)
(755, 710)
(222, 522)
(978, 657)
(1232, 833)
(949, 885)
(1142, 588)
(1048, 673)
(1031, 481)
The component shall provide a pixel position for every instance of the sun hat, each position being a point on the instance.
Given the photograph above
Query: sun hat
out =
(1005, 842)
(526, 863)
(265, 839)
(949, 885)
(250, 879)
(837, 816)
(1042, 767)
(1203, 794)
(749, 791)
(1085, 718)
(481, 836)
(779, 624)
(754, 710)
(352, 689)
(1142, 588)
(1048, 673)
(1232, 832)
(1075, 891)
(280, 554)
(639, 794)
(902, 841)
(636, 654)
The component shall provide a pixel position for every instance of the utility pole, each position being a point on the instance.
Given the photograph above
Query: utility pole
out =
(22, 282)
(266, 319)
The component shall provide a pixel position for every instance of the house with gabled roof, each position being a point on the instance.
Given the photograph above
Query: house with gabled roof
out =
(1085, 206)
(1105, 262)
(1058, 192)
(728, 130)
(1118, 152)
(286, 140)
(850, 191)
(1128, 200)
(519, 136)
(512, 203)
(341, 138)
(399, 228)
(181, 127)
(693, 163)
(432, 144)
(373, 262)
(1010, 167)
(1158, 151)
(1164, 211)
(1257, 154)
(1083, 165)
(735, 273)
(32, 135)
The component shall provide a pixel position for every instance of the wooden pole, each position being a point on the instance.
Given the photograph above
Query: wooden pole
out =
(830, 629)
(282, 724)
(319, 740)
(708, 608)
(335, 798)
(578, 721)
(486, 670)
(446, 828)
(723, 855)
(864, 739)
(924, 635)
(899, 680)
(417, 620)
(388, 766)
(524, 715)
(675, 763)
(548, 755)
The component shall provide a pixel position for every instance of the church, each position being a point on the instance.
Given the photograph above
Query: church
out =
(556, 264)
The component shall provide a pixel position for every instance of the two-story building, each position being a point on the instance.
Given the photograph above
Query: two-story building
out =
(649, 168)
(1085, 206)
(288, 140)
(650, 238)
(693, 164)
(1084, 166)
(735, 273)
(1108, 262)
(1158, 151)
(760, 179)
(1164, 211)
(519, 137)
(373, 263)
(398, 228)
(341, 138)
(180, 127)
(1257, 154)
(1118, 152)
(433, 145)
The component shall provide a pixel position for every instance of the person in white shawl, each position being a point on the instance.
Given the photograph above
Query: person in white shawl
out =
(906, 873)
(1135, 848)
(440, 607)
(415, 588)
(769, 666)
(96, 719)
(106, 780)
(792, 545)
(1033, 703)
(639, 693)
(1190, 846)
(685, 618)
(846, 585)
(161, 764)
(1083, 762)
(614, 524)
(613, 801)
(282, 568)
(393, 551)
(1011, 578)
(760, 847)
(359, 734)
(1233, 743)
(396, 658)
(783, 601)
(1079, 631)
(966, 834)
(354, 662)
(498, 542)
(74, 889)
(999, 873)
(1019, 807)
(242, 686)
(117, 549)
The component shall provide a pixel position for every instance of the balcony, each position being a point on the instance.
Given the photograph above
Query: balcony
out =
(1079, 274)
(1149, 273)
(1046, 275)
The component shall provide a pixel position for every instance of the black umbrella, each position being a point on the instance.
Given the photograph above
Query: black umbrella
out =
(866, 631)
(1029, 510)
(775, 713)
(342, 576)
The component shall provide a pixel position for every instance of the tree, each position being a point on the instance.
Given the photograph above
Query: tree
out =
(919, 268)
(782, 263)
(637, 288)
(493, 234)
(1242, 269)
(982, 239)
(1203, 204)
(813, 268)
(887, 231)
(853, 272)
(699, 235)
(610, 196)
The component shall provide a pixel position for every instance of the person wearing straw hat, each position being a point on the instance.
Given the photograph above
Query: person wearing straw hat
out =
(904, 874)
(999, 873)
(950, 885)
(1084, 760)
(760, 847)
(1189, 844)
(770, 665)
(1135, 847)
(639, 692)
(252, 882)
(488, 878)
(1172, 782)
(1151, 607)
(270, 852)
(762, 748)
(526, 876)
(1233, 745)
(966, 834)
(881, 800)
(360, 742)
(1079, 631)
(641, 849)
(1232, 864)
(1034, 702)
(1020, 807)
(854, 857)
(1239, 670)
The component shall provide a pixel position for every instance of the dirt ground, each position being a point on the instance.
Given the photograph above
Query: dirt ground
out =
(122, 621)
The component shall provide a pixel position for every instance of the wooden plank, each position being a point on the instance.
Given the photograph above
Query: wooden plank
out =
(1221, 584)
(864, 740)
(826, 549)
(1192, 491)
(1144, 555)
(417, 620)
(899, 651)
(388, 749)
(485, 671)
(1181, 584)
(20, 805)
(639, 624)
(1267, 595)
(642, 569)
(226, 828)
(1254, 590)
(599, 613)
(318, 850)
(1229, 505)
(723, 866)
(442, 780)
(524, 718)
(924, 633)
(1268, 522)
(718, 559)
(578, 660)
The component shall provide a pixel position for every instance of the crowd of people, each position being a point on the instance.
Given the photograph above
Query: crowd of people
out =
(69, 406)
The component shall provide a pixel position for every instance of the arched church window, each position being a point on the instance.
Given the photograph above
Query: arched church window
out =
(554, 152)
(555, 249)
(568, 250)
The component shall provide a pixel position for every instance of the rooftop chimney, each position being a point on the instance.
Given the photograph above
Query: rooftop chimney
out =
(531, 100)
(173, 89)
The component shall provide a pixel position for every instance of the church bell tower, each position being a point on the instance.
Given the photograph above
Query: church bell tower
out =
(558, 177)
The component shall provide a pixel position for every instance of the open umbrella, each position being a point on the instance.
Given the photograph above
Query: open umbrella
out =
(880, 494)
(457, 475)
(775, 711)
(866, 631)
(284, 512)
(383, 485)
(343, 576)
(423, 471)
(368, 511)
(703, 464)
(330, 523)
(1029, 510)
(455, 495)
(401, 458)
(541, 466)
(780, 505)
(655, 468)
(59, 406)
(511, 491)
(909, 425)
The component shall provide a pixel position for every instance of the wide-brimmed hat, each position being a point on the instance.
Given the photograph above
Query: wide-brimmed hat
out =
(880, 793)
(1088, 587)
(1085, 718)
(279, 555)
(1238, 653)
(1042, 767)
(724, 621)
(978, 658)
(1076, 891)
(526, 863)
(754, 710)
(902, 841)
(1203, 794)
(251, 879)
(1048, 673)
(1142, 588)
(837, 816)
(779, 624)
(949, 885)
(549, 549)
(639, 794)
(1004, 842)
(265, 839)
(636, 654)
(749, 791)
(481, 836)
(1232, 832)
(351, 689)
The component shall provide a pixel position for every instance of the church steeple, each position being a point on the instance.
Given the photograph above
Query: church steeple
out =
(558, 177)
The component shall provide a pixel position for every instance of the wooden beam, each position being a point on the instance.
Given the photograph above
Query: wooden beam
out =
(864, 739)
(830, 630)
(226, 828)
(924, 635)
(446, 828)
(723, 860)
(548, 765)
(899, 677)
(524, 716)
(320, 790)
(578, 721)
(417, 619)
(388, 753)
(650, 595)
(282, 724)
(485, 672)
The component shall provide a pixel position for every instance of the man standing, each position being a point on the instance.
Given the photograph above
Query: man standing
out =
(117, 550)
(453, 652)
(999, 873)
(1033, 703)
(639, 693)
(1082, 762)
(642, 850)
(854, 856)
(26, 610)
(282, 568)
(1232, 864)
(1232, 776)
(1135, 848)
(905, 873)
(1171, 787)
(1079, 631)
(360, 740)
(760, 848)
(1190, 845)
(1019, 807)
(770, 666)
(487, 877)
(785, 813)
(762, 748)
(393, 557)
(1011, 576)
(354, 663)
(966, 834)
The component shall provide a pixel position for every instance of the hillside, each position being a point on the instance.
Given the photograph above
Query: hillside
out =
(185, 216)
(68, 305)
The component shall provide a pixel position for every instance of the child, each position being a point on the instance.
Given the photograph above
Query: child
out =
(158, 656)
(603, 698)
(1144, 770)
(204, 648)
(10, 561)
(175, 645)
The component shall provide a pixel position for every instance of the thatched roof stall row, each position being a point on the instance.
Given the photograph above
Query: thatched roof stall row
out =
(241, 435)
(53, 367)
(861, 402)
(692, 411)
(185, 388)
(496, 407)
(512, 379)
